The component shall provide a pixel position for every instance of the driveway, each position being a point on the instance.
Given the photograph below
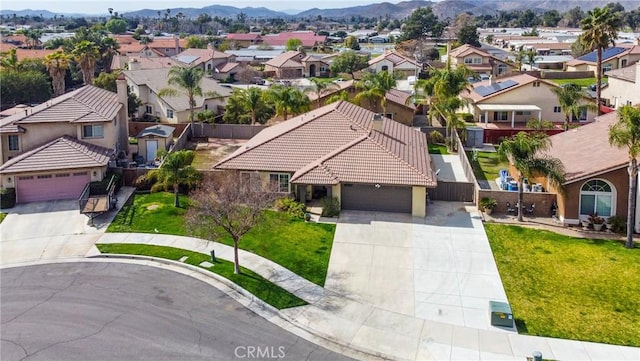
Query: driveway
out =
(54, 229)
(440, 268)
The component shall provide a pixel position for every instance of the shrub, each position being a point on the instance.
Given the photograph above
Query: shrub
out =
(618, 224)
(330, 207)
(487, 203)
(144, 183)
(436, 137)
(7, 198)
(293, 208)
(467, 117)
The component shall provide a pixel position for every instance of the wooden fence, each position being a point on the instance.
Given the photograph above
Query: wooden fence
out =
(452, 191)
(228, 131)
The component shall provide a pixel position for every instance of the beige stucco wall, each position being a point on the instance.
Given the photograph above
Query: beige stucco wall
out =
(377, 67)
(619, 92)
(419, 201)
(541, 96)
(336, 192)
(96, 173)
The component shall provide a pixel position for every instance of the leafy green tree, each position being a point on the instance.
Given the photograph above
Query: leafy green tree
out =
(287, 100)
(293, 44)
(551, 18)
(57, 64)
(23, 87)
(9, 59)
(469, 35)
(573, 17)
(116, 26)
(625, 133)
(351, 42)
(86, 53)
(524, 152)
(107, 81)
(599, 30)
(348, 62)
(343, 95)
(175, 170)
(197, 42)
(187, 80)
(422, 23)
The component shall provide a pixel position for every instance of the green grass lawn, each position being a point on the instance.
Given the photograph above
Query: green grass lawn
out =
(2, 216)
(438, 149)
(250, 281)
(302, 247)
(488, 165)
(566, 287)
(583, 82)
(150, 212)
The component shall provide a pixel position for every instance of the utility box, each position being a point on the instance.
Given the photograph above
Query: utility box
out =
(501, 314)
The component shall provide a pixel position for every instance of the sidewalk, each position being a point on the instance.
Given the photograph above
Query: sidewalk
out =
(360, 325)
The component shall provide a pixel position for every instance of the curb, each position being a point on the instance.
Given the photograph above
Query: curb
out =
(263, 309)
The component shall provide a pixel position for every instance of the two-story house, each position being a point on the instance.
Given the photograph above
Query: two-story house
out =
(477, 60)
(217, 64)
(51, 151)
(616, 57)
(624, 86)
(146, 84)
(394, 63)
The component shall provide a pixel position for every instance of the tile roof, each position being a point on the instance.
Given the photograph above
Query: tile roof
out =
(167, 43)
(283, 58)
(85, 105)
(394, 57)
(131, 48)
(159, 130)
(201, 55)
(331, 89)
(520, 80)
(308, 38)
(335, 144)
(227, 67)
(22, 54)
(240, 36)
(467, 49)
(145, 62)
(156, 79)
(399, 97)
(62, 153)
(576, 147)
(627, 73)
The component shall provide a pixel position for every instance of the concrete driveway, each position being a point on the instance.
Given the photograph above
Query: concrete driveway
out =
(440, 268)
(54, 229)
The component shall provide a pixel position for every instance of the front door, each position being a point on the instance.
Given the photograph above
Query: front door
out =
(152, 150)
(312, 70)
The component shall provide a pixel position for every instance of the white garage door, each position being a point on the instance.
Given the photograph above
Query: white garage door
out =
(53, 186)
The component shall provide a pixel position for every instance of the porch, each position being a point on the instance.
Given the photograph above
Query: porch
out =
(508, 113)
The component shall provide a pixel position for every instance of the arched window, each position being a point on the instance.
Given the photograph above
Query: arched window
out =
(597, 196)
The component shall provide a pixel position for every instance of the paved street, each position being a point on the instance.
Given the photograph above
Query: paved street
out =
(111, 311)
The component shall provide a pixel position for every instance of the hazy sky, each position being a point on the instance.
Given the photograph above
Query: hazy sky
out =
(122, 6)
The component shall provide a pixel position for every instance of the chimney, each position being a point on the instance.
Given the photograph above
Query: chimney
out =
(123, 115)
(134, 64)
(376, 122)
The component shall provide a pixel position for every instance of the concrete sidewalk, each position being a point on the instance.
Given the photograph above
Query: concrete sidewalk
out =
(358, 324)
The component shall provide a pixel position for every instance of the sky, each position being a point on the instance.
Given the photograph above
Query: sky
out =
(122, 6)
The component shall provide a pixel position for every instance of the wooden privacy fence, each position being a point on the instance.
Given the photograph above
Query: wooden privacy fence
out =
(452, 191)
(228, 131)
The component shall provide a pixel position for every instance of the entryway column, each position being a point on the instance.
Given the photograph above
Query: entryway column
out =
(513, 118)
(486, 117)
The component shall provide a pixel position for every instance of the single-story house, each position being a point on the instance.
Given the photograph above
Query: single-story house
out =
(595, 172)
(286, 65)
(308, 38)
(394, 63)
(216, 63)
(341, 150)
(153, 138)
(623, 86)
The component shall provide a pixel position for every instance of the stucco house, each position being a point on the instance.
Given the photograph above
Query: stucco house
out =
(477, 60)
(595, 172)
(515, 100)
(623, 86)
(341, 150)
(147, 83)
(394, 63)
(615, 57)
(217, 64)
(308, 38)
(287, 65)
(244, 40)
(51, 151)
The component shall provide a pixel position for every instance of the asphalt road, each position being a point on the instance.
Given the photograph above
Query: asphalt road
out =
(115, 311)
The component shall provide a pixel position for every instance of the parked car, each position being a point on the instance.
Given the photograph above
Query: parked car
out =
(339, 80)
(257, 80)
(282, 82)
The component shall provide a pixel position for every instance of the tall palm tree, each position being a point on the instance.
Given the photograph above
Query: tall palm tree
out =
(531, 56)
(569, 96)
(57, 64)
(625, 133)
(86, 53)
(599, 30)
(525, 153)
(9, 59)
(287, 100)
(321, 88)
(343, 95)
(253, 99)
(108, 48)
(176, 169)
(374, 88)
(188, 80)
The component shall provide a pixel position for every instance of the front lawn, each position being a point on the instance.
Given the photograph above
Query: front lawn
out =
(566, 287)
(438, 149)
(583, 82)
(487, 166)
(250, 281)
(302, 247)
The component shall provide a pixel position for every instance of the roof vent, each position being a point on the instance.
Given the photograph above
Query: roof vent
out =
(377, 122)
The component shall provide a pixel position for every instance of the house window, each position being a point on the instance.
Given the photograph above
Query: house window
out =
(148, 109)
(280, 181)
(523, 113)
(169, 113)
(623, 63)
(44, 176)
(385, 68)
(557, 109)
(629, 102)
(597, 196)
(502, 69)
(500, 115)
(606, 67)
(536, 84)
(92, 131)
(14, 143)
(389, 115)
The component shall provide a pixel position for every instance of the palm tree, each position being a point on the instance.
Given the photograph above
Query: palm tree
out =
(57, 64)
(343, 95)
(86, 53)
(253, 99)
(625, 133)
(321, 88)
(176, 169)
(519, 58)
(531, 56)
(524, 151)
(374, 87)
(9, 59)
(569, 96)
(187, 79)
(599, 30)
(287, 100)
(108, 48)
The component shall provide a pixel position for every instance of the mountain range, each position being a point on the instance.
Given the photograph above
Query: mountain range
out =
(444, 9)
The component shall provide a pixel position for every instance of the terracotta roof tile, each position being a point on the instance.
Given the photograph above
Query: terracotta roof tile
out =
(334, 144)
(399, 97)
(627, 73)
(240, 36)
(283, 58)
(62, 153)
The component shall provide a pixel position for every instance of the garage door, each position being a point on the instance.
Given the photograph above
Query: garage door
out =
(365, 197)
(46, 187)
